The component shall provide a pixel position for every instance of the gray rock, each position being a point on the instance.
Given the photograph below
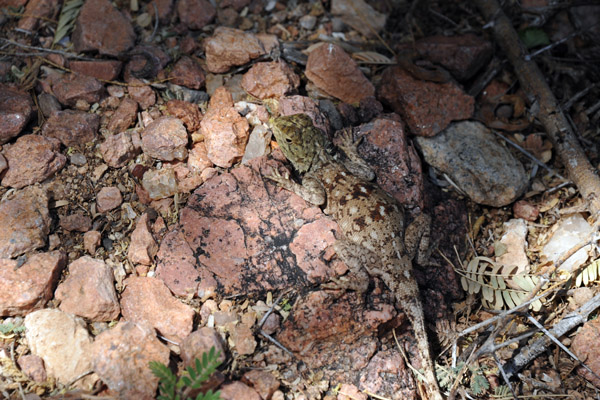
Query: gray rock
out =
(486, 171)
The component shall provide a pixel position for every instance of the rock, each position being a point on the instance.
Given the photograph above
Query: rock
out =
(569, 231)
(514, 240)
(187, 112)
(33, 367)
(125, 115)
(32, 159)
(230, 47)
(225, 131)
(25, 221)
(29, 287)
(584, 347)
(258, 143)
(121, 356)
(148, 300)
(48, 104)
(77, 159)
(72, 128)
(307, 22)
(107, 70)
(360, 16)
(108, 198)
(3, 163)
(165, 139)
(71, 88)
(164, 8)
(263, 382)
(242, 339)
(187, 72)
(195, 14)
(304, 105)
(524, 209)
(462, 55)
(469, 153)
(270, 80)
(394, 160)
(35, 12)
(76, 222)
(201, 341)
(237, 5)
(16, 110)
(141, 93)
(89, 291)
(101, 27)
(426, 107)
(238, 390)
(350, 392)
(240, 232)
(335, 72)
(63, 342)
(160, 184)
(118, 150)
(143, 247)
(91, 241)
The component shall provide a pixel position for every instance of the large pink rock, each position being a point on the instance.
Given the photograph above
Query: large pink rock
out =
(74, 87)
(32, 159)
(195, 14)
(29, 287)
(89, 291)
(72, 128)
(270, 80)
(143, 247)
(100, 27)
(231, 47)
(165, 139)
(25, 222)
(331, 69)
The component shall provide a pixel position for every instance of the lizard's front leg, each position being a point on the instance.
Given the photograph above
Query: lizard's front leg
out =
(311, 189)
(354, 162)
(417, 239)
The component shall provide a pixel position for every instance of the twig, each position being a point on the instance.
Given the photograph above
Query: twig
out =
(550, 115)
(43, 50)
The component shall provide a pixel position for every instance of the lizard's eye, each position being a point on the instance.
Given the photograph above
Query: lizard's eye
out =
(288, 140)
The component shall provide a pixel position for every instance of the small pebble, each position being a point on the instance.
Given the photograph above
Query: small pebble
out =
(78, 159)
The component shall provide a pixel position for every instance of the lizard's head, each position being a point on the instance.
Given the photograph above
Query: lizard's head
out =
(298, 138)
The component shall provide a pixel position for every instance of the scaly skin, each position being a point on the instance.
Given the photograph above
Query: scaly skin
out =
(371, 220)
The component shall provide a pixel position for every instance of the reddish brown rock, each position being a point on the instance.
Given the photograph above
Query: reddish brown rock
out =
(242, 339)
(198, 157)
(230, 47)
(351, 392)
(101, 27)
(426, 107)
(118, 150)
(304, 105)
(462, 55)
(91, 241)
(148, 300)
(16, 109)
(71, 88)
(107, 70)
(335, 72)
(225, 130)
(270, 80)
(120, 356)
(125, 115)
(262, 381)
(187, 72)
(246, 235)
(143, 247)
(108, 198)
(142, 93)
(63, 342)
(195, 14)
(33, 367)
(524, 209)
(395, 161)
(48, 104)
(387, 375)
(199, 342)
(37, 11)
(187, 112)
(238, 390)
(164, 8)
(75, 222)
(89, 291)
(25, 222)
(28, 287)
(72, 128)
(585, 349)
(165, 139)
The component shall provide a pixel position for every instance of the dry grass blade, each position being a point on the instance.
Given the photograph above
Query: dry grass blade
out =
(372, 57)
(66, 21)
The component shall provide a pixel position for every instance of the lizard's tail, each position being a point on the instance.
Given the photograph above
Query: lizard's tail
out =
(414, 311)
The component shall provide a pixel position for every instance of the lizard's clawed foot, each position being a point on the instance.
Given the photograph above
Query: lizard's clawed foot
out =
(278, 177)
(347, 142)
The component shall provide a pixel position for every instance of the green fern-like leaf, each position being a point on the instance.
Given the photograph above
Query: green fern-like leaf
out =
(204, 369)
(479, 383)
(67, 18)
(209, 395)
(167, 380)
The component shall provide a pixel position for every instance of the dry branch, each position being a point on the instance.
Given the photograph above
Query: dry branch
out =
(559, 131)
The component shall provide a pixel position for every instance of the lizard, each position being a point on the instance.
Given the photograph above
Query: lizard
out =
(371, 221)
